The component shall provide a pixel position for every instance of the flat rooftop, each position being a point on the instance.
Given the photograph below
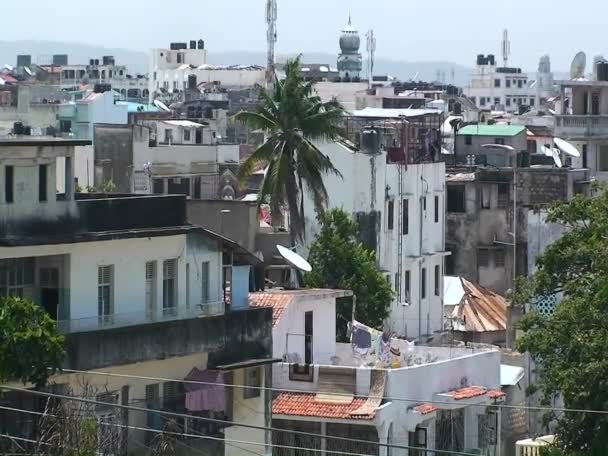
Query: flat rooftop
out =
(33, 141)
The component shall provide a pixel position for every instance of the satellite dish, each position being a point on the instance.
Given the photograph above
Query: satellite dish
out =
(577, 69)
(566, 147)
(557, 159)
(162, 106)
(9, 67)
(28, 71)
(294, 259)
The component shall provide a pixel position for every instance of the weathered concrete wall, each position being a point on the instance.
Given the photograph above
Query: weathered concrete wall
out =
(114, 156)
(230, 338)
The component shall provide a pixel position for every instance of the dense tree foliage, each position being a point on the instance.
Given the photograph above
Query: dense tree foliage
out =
(340, 261)
(31, 348)
(293, 117)
(570, 348)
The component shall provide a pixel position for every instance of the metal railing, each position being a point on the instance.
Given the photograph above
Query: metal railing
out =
(124, 320)
(589, 122)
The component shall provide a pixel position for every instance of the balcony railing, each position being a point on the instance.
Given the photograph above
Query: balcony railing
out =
(125, 320)
(582, 123)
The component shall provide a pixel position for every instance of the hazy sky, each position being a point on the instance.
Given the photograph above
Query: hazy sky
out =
(406, 30)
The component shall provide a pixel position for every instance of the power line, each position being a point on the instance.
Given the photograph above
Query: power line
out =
(282, 390)
(215, 420)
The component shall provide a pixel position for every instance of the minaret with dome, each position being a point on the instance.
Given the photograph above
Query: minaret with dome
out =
(350, 61)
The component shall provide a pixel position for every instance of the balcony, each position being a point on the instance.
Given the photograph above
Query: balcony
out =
(84, 325)
(573, 126)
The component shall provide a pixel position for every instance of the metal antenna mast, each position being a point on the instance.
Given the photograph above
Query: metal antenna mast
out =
(371, 54)
(506, 48)
(271, 36)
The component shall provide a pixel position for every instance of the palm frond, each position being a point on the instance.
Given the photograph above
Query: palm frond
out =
(262, 156)
(255, 120)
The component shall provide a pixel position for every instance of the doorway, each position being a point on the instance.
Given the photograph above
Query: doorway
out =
(308, 337)
(199, 136)
(49, 291)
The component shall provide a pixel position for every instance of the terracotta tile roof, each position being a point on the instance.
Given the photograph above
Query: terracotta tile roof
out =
(481, 309)
(425, 409)
(277, 301)
(304, 404)
(496, 394)
(467, 392)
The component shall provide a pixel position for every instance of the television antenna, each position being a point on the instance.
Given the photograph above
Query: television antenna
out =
(506, 48)
(371, 52)
(577, 68)
(297, 263)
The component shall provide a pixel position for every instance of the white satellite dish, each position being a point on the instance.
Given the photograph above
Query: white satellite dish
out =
(28, 71)
(9, 67)
(566, 147)
(557, 159)
(162, 106)
(577, 68)
(294, 259)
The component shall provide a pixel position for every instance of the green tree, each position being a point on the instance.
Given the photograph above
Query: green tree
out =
(292, 117)
(569, 347)
(340, 261)
(31, 348)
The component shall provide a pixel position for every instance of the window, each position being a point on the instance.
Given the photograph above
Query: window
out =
(205, 282)
(483, 258)
(151, 288)
(584, 155)
(468, 140)
(503, 196)
(187, 285)
(499, 258)
(474, 100)
(424, 203)
(187, 135)
(500, 141)
(397, 283)
(406, 217)
(158, 186)
(485, 196)
(496, 101)
(301, 372)
(532, 102)
(508, 101)
(105, 291)
(507, 83)
(436, 209)
(168, 135)
(520, 83)
(169, 284)
(252, 382)
(9, 184)
(482, 101)
(603, 158)
(16, 276)
(65, 126)
(180, 57)
(437, 280)
(308, 337)
(42, 183)
(391, 215)
(174, 86)
(407, 285)
(456, 201)
(496, 82)
(423, 284)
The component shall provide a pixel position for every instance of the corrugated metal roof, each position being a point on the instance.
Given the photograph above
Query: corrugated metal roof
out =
(183, 123)
(480, 310)
(491, 130)
(382, 113)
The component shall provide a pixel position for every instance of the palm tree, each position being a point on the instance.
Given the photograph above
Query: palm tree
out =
(293, 117)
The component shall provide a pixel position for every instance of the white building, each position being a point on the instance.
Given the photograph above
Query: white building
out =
(499, 88)
(323, 388)
(396, 192)
(134, 287)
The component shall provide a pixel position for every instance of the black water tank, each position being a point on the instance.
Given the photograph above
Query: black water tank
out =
(96, 61)
(92, 62)
(457, 109)
(201, 44)
(192, 44)
(481, 59)
(491, 59)
(178, 46)
(18, 128)
(60, 59)
(101, 88)
(108, 60)
(602, 71)
(192, 82)
(24, 60)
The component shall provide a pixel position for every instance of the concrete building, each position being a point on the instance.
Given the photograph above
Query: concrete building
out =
(500, 88)
(394, 186)
(79, 118)
(134, 287)
(167, 156)
(325, 388)
(479, 228)
(350, 61)
(470, 139)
